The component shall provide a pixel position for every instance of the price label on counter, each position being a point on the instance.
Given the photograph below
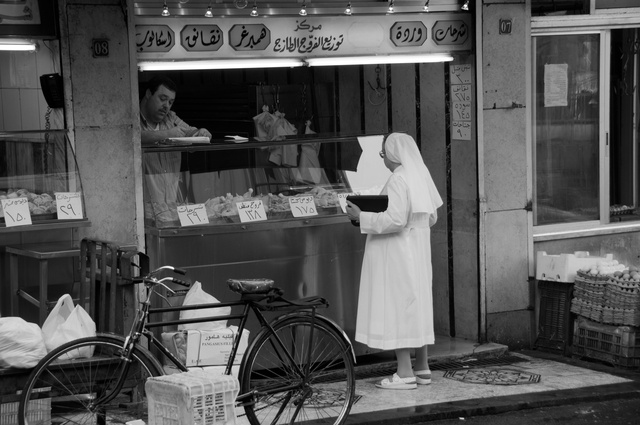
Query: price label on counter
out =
(251, 211)
(16, 212)
(192, 215)
(302, 206)
(69, 205)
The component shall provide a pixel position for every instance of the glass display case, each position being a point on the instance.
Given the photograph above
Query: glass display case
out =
(300, 238)
(223, 183)
(39, 179)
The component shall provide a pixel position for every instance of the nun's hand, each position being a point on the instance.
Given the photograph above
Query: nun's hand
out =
(353, 211)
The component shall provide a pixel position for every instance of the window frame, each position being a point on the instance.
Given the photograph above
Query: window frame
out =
(561, 26)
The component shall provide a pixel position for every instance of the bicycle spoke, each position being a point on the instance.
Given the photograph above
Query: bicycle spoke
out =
(325, 394)
(87, 390)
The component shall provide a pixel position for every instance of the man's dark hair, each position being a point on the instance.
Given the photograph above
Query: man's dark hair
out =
(161, 80)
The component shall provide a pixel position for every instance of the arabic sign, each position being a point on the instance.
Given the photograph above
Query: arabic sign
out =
(450, 32)
(154, 38)
(16, 212)
(192, 215)
(69, 205)
(408, 34)
(312, 36)
(249, 37)
(309, 38)
(201, 38)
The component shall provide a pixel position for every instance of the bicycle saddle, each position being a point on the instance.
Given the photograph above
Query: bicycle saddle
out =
(250, 286)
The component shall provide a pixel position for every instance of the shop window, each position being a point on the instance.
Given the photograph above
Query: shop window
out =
(585, 129)
(566, 129)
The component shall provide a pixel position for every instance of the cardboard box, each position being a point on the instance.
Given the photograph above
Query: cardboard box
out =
(564, 267)
(205, 348)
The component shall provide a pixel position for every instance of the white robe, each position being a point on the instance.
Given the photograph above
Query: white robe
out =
(395, 306)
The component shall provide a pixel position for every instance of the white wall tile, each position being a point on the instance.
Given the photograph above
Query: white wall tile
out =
(30, 109)
(11, 110)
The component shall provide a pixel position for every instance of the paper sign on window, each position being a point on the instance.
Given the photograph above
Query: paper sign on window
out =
(192, 215)
(302, 206)
(251, 211)
(69, 205)
(16, 212)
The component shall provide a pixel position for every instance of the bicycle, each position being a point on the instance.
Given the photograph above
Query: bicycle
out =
(298, 367)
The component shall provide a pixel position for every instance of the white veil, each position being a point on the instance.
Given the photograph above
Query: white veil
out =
(402, 149)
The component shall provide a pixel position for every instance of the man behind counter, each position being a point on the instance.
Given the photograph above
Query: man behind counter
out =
(164, 182)
(157, 120)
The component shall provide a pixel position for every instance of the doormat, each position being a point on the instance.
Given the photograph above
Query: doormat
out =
(493, 376)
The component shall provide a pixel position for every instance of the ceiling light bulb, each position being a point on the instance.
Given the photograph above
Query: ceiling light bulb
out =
(465, 6)
(254, 11)
(391, 9)
(303, 10)
(165, 10)
(347, 11)
(208, 13)
(426, 6)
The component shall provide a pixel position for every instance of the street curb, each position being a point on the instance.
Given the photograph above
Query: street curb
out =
(495, 405)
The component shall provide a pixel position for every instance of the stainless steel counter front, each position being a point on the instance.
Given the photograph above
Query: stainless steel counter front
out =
(320, 256)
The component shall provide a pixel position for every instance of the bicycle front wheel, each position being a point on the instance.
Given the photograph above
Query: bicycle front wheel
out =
(302, 372)
(79, 383)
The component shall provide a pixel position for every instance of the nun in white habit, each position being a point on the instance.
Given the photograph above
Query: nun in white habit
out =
(395, 306)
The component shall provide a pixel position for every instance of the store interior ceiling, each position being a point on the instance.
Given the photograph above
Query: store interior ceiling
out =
(334, 7)
(294, 7)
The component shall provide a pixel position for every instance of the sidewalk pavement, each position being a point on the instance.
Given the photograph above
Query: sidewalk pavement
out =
(562, 381)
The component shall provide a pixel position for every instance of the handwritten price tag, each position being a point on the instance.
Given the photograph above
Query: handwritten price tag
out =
(251, 211)
(16, 212)
(192, 215)
(303, 206)
(68, 205)
(461, 130)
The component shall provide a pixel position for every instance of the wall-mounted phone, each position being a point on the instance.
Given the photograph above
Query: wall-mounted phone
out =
(52, 90)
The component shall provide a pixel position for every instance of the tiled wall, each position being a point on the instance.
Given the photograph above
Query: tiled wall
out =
(22, 105)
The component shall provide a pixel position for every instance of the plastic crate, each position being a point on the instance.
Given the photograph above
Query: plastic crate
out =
(554, 324)
(194, 397)
(40, 415)
(619, 345)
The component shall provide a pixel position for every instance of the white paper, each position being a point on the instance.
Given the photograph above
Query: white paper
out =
(236, 139)
(556, 83)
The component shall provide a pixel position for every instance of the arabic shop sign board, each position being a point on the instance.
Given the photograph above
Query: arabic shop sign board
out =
(203, 38)
(154, 38)
(288, 37)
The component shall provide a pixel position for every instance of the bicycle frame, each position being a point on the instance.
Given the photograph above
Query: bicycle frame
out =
(249, 303)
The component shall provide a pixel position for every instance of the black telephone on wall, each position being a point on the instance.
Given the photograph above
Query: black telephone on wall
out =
(52, 90)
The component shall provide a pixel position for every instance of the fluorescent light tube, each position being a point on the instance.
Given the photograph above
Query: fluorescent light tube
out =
(218, 64)
(378, 59)
(18, 45)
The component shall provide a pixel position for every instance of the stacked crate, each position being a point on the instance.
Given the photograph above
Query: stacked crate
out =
(607, 299)
(555, 275)
(608, 309)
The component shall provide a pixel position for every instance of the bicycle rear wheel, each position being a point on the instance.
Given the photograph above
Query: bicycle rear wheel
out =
(66, 386)
(316, 383)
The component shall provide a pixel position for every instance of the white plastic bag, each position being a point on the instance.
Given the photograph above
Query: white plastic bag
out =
(197, 295)
(66, 323)
(21, 343)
